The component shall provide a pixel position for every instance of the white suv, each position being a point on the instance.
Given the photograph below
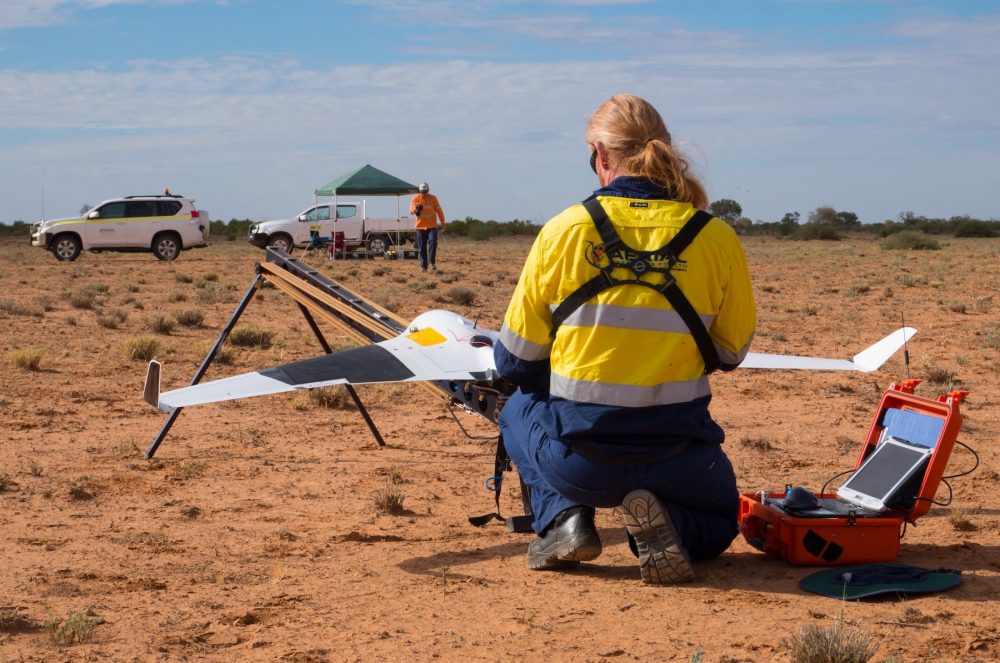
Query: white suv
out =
(164, 224)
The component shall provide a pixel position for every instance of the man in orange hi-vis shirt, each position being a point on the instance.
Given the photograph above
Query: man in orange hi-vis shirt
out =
(427, 209)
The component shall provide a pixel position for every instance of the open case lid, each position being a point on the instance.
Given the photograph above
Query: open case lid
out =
(921, 421)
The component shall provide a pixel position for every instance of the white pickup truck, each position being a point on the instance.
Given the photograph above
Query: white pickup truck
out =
(375, 235)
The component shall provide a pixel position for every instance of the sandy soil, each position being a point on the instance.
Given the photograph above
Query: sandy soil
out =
(253, 534)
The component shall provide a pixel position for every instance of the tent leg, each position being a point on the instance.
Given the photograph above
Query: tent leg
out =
(350, 388)
(223, 335)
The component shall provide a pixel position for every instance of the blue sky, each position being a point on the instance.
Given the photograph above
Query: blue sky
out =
(875, 107)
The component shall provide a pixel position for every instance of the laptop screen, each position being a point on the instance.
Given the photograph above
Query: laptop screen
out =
(883, 472)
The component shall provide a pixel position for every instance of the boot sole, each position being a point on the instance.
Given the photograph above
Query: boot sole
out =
(662, 558)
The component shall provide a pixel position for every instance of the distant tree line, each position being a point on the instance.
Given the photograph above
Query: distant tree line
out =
(825, 222)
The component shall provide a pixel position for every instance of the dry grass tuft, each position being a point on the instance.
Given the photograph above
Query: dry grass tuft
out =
(960, 521)
(251, 336)
(27, 359)
(937, 375)
(389, 501)
(142, 348)
(762, 443)
(334, 398)
(83, 488)
(160, 324)
(13, 308)
(461, 295)
(114, 319)
(83, 299)
(190, 318)
(837, 643)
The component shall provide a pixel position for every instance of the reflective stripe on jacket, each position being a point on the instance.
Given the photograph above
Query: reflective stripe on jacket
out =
(430, 211)
(626, 348)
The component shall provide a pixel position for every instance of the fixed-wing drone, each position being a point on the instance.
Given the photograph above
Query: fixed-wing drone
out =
(439, 346)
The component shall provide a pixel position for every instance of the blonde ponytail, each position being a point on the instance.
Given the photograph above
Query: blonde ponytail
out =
(639, 144)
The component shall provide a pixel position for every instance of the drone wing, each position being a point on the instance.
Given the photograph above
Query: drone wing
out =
(438, 345)
(866, 361)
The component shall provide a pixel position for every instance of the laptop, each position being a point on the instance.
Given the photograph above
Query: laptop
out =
(870, 490)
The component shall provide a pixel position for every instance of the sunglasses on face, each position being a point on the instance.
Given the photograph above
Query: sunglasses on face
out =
(593, 161)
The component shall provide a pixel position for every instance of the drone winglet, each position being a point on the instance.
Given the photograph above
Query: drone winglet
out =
(866, 361)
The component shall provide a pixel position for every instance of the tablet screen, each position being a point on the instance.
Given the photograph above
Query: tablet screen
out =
(883, 473)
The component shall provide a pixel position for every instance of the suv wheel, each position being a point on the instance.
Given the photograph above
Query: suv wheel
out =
(166, 246)
(282, 242)
(65, 247)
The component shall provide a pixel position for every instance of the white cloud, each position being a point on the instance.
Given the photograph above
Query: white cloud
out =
(866, 129)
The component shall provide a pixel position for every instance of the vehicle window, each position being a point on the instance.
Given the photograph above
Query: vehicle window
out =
(346, 211)
(112, 210)
(139, 208)
(322, 213)
(167, 207)
(311, 214)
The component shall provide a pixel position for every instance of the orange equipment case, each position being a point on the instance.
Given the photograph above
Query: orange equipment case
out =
(857, 539)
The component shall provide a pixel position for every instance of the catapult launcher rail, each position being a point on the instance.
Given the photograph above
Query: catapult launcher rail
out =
(321, 298)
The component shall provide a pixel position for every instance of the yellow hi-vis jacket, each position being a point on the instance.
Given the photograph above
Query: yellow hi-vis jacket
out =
(627, 347)
(430, 211)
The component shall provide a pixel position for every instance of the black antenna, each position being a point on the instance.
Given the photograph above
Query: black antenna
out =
(475, 323)
(906, 351)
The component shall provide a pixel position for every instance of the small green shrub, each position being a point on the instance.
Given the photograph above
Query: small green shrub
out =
(142, 348)
(76, 628)
(28, 359)
(183, 278)
(816, 231)
(910, 240)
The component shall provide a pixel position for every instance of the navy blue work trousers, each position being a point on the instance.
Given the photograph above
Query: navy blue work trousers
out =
(697, 484)
(427, 246)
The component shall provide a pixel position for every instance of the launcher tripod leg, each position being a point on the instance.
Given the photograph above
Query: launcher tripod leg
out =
(223, 335)
(350, 388)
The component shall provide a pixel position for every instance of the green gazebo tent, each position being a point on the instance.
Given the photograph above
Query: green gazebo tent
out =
(366, 181)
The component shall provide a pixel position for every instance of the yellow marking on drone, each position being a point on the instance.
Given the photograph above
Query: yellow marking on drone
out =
(426, 336)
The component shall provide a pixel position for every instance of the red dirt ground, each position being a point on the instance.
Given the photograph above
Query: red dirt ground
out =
(253, 534)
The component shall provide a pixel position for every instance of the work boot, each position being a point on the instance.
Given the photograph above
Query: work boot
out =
(662, 558)
(571, 539)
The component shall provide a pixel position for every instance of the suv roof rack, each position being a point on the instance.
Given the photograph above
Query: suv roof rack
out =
(157, 195)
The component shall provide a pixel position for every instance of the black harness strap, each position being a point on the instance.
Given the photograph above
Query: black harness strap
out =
(632, 259)
(501, 464)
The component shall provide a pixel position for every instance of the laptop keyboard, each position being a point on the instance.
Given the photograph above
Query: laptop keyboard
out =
(839, 507)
